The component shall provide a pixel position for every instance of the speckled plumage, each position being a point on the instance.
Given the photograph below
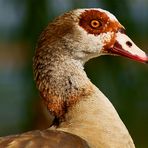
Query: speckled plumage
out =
(43, 139)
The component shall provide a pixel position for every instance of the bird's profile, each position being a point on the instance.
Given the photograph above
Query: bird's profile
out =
(81, 110)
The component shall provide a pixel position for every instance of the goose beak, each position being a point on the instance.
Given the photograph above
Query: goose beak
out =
(124, 46)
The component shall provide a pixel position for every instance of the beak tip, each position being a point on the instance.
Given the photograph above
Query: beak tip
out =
(147, 59)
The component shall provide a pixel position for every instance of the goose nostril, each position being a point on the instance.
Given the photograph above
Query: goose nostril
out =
(129, 44)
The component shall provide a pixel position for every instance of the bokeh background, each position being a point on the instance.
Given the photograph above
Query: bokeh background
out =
(124, 82)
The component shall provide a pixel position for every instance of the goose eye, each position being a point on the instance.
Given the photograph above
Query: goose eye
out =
(95, 24)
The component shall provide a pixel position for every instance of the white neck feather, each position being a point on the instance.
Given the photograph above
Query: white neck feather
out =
(95, 119)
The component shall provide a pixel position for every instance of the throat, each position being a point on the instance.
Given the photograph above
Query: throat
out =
(62, 84)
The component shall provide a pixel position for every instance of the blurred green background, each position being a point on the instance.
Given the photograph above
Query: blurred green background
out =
(123, 81)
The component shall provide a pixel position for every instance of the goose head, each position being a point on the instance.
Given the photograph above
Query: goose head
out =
(88, 33)
(72, 39)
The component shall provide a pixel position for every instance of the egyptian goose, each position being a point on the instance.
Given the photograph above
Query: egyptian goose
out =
(84, 117)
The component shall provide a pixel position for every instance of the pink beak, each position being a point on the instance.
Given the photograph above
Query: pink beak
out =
(124, 46)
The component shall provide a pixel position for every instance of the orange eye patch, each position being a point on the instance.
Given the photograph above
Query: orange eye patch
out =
(96, 22)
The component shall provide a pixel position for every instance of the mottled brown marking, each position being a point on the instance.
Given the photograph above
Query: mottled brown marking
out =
(107, 25)
(109, 44)
(59, 105)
